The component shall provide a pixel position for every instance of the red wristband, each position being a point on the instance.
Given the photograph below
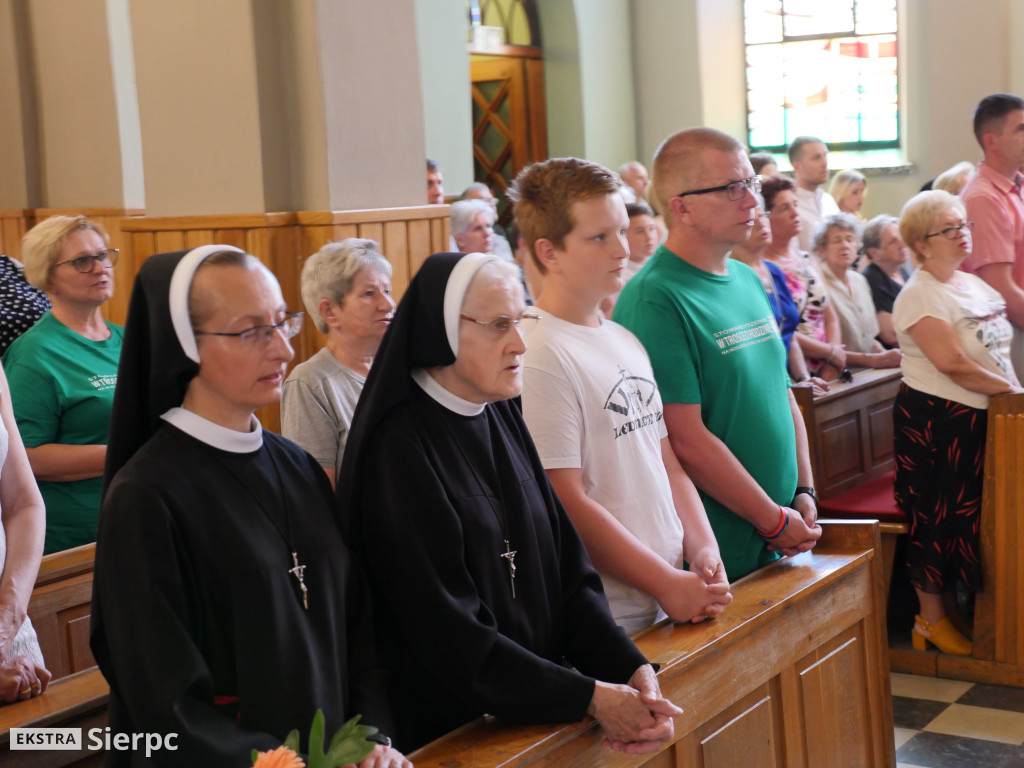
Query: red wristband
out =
(783, 522)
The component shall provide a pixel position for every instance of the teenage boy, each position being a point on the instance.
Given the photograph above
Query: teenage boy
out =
(593, 408)
(643, 237)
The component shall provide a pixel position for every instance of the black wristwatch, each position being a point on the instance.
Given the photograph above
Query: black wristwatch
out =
(379, 738)
(810, 492)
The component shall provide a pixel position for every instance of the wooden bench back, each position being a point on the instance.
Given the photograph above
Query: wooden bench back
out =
(999, 613)
(849, 430)
(60, 607)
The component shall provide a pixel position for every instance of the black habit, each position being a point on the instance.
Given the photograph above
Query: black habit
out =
(198, 621)
(438, 501)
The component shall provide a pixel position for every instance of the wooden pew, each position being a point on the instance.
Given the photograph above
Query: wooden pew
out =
(77, 696)
(76, 701)
(849, 431)
(998, 656)
(60, 607)
(794, 674)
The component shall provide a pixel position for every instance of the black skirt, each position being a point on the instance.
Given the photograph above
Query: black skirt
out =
(940, 456)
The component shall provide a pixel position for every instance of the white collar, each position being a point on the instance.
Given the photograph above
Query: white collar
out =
(443, 397)
(215, 435)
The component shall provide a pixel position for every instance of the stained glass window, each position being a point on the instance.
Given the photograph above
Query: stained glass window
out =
(824, 68)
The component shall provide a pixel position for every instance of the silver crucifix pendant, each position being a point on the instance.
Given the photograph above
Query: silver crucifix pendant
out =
(298, 572)
(510, 555)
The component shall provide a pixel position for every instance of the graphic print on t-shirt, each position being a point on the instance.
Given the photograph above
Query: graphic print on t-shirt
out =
(739, 336)
(632, 396)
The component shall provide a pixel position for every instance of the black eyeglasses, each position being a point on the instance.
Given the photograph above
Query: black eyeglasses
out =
(953, 233)
(735, 190)
(84, 263)
(259, 336)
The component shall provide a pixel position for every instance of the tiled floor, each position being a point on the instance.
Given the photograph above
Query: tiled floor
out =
(951, 724)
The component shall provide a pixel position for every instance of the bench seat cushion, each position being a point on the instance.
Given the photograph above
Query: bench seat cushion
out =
(871, 500)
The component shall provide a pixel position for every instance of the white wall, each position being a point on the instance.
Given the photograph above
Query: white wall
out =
(444, 78)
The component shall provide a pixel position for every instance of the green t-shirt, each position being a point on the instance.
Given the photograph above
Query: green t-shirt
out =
(62, 389)
(712, 340)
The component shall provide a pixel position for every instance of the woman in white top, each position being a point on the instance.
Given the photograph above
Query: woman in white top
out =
(837, 242)
(22, 527)
(955, 338)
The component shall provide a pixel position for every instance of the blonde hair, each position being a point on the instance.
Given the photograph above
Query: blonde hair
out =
(921, 213)
(41, 246)
(843, 183)
(953, 179)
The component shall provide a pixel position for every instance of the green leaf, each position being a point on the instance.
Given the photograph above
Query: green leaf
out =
(316, 742)
(255, 756)
(292, 740)
(349, 744)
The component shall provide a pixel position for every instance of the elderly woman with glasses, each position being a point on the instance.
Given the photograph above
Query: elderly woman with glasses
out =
(484, 598)
(955, 337)
(346, 288)
(226, 608)
(63, 370)
(837, 243)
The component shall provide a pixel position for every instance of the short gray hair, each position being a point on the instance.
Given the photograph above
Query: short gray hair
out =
(846, 221)
(328, 273)
(464, 211)
(874, 229)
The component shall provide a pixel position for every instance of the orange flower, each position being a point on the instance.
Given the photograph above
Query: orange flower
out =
(282, 757)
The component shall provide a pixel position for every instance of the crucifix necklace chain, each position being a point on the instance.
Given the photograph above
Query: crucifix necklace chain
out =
(509, 555)
(298, 570)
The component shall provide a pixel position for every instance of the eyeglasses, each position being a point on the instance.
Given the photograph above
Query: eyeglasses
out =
(501, 324)
(259, 336)
(735, 190)
(953, 233)
(85, 263)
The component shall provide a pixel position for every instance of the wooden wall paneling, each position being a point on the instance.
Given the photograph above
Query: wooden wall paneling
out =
(420, 245)
(13, 226)
(372, 230)
(395, 247)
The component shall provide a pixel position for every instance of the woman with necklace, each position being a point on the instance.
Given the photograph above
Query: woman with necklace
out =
(346, 288)
(955, 337)
(225, 605)
(818, 334)
(484, 597)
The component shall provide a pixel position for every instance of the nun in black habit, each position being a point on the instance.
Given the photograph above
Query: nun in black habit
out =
(484, 598)
(225, 608)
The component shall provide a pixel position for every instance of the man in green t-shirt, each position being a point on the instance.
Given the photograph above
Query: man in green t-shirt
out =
(718, 358)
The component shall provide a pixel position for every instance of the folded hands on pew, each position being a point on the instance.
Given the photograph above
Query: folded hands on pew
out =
(802, 532)
(635, 717)
(21, 679)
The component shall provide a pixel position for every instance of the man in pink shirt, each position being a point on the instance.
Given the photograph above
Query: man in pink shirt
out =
(995, 203)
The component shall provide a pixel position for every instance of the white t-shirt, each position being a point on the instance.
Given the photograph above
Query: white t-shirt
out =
(978, 315)
(591, 403)
(813, 207)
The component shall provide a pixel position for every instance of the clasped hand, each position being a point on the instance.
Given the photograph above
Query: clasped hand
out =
(635, 717)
